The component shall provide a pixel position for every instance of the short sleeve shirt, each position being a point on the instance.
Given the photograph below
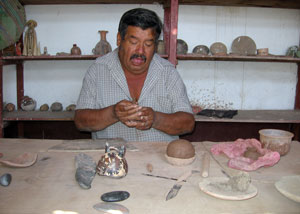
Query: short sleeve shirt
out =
(105, 84)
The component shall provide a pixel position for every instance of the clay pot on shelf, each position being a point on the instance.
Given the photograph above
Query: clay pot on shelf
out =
(182, 47)
(28, 104)
(218, 48)
(75, 50)
(103, 47)
(160, 48)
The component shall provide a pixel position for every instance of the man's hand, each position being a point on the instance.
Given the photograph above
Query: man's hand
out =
(127, 112)
(146, 119)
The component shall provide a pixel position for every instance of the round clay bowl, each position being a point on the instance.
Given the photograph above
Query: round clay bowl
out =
(182, 47)
(201, 49)
(276, 140)
(179, 161)
(243, 45)
(218, 48)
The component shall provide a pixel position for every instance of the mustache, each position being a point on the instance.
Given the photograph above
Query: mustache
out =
(139, 56)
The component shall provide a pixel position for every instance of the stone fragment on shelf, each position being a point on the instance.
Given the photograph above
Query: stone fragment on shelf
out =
(71, 107)
(56, 106)
(44, 107)
(9, 107)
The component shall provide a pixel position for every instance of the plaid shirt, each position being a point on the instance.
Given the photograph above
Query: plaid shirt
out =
(105, 84)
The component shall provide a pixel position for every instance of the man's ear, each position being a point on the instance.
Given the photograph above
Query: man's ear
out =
(119, 39)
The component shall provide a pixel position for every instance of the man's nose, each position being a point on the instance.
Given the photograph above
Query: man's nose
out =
(140, 49)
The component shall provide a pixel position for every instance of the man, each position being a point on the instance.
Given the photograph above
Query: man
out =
(132, 92)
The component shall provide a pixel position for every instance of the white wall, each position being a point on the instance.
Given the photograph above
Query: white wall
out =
(229, 85)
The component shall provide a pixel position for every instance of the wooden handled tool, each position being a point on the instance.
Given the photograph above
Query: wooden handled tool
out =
(205, 165)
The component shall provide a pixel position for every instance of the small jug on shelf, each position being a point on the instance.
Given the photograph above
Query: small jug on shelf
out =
(103, 47)
(75, 50)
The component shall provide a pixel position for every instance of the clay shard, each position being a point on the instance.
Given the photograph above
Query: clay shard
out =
(115, 196)
(111, 208)
(24, 160)
(85, 170)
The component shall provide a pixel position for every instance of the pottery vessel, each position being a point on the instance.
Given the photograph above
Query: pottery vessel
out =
(160, 48)
(75, 50)
(56, 106)
(201, 49)
(44, 107)
(71, 107)
(218, 48)
(28, 104)
(103, 47)
(182, 47)
(113, 163)
(9, 107)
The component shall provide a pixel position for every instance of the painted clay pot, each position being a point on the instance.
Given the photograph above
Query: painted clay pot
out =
(201, 49)
(103, 47)
(75, 50)
(28, 104)
(182, 47)
(113, 163)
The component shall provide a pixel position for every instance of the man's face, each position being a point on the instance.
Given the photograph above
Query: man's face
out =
(136, 50)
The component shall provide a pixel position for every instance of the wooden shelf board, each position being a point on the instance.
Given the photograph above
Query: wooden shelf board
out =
(271, 58)
(15, 59)
(289, 4)
(38, 116)
(243, 116)
(257, 116)
(230, 57)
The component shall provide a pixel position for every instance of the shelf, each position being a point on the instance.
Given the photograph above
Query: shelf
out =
(14, 59)
(257, 116)
(38, 116)
(289, 4)
(243, 116)
(271, 58)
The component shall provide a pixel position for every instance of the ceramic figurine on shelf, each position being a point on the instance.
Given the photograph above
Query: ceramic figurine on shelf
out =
(31, 47)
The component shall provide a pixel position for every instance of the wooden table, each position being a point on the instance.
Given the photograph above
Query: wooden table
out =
(49, 185)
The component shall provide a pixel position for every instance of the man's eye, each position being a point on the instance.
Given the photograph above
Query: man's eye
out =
(149, 44)
(134, 42)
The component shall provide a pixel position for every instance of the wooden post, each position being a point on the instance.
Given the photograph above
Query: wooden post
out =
(1, 98)
(20, 94)
(297, 97)
(20, 83)
(170, 28)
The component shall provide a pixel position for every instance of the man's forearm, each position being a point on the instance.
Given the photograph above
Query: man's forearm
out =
(174, 124)
(94, 119)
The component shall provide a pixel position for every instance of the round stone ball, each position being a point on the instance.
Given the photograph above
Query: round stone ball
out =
(180, 149)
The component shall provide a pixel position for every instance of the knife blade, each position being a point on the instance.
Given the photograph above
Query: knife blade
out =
(177, 186)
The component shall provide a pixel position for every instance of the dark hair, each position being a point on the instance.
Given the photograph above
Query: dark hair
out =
(142, 18)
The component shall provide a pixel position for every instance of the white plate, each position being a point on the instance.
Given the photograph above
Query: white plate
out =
(289, 186)
(217, 187)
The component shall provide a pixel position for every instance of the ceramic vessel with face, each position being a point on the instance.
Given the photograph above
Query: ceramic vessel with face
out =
(113, 163)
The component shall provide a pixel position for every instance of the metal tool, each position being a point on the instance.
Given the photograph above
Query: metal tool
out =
(177, 186)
